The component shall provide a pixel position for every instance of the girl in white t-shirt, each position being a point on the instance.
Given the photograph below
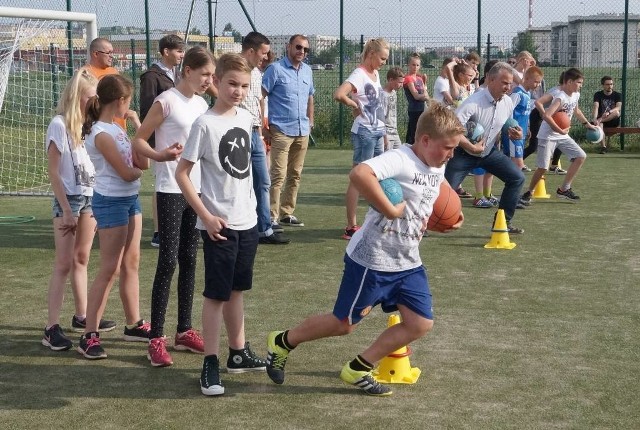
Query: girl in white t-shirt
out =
(170, 117)
(72, 177)
(361, 92)
(116, 208)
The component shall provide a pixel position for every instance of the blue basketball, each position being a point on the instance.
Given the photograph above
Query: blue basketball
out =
(392, 190)
(595, 136)
(510, 123)
(475, 131)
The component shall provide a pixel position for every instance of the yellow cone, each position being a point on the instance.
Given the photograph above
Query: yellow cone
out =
(500, 233)
(540, 191)
(395, 368)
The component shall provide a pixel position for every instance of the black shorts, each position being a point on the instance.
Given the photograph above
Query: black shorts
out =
(611, 124)
(228, 264)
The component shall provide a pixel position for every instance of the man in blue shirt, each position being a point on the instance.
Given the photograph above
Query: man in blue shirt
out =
(288, 84)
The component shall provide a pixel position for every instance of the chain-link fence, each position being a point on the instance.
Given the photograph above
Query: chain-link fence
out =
(571, 34)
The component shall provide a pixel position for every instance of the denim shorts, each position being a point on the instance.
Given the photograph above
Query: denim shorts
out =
(114, 211)
(364, 143)
(79, 205)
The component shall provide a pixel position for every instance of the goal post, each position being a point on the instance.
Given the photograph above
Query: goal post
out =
(34, 47)
(55, 15)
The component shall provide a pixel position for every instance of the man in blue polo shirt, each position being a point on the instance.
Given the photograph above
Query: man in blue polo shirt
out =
(289, 85)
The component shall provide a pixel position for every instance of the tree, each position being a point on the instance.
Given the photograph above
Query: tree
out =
(428, 57)
(525, 42)
(228, 28)
(196, 31)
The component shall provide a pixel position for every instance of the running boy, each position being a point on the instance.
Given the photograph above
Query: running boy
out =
(382, 262)
(551, 136)
(395, 77)
(521, 96)
(221, 140)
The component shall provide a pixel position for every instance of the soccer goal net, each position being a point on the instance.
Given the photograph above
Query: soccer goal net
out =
(35, 48)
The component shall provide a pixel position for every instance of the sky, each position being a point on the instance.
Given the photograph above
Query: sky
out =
(392, 19)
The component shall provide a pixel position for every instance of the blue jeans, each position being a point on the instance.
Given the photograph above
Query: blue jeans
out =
(495, 163)
(261, 183)
(366, 144)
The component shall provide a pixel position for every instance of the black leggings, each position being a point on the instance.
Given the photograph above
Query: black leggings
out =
(411, 126)
(535, 121)
(178, 244)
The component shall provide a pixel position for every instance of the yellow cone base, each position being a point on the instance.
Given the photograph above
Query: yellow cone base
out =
(500, 233)
(395, 368)
(540, 191)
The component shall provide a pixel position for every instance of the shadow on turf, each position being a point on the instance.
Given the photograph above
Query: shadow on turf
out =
(51, 386)
(35, 234)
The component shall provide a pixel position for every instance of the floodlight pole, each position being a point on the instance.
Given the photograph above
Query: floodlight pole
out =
(246, 13)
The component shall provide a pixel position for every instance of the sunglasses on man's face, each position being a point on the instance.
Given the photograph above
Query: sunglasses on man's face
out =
(302, 48)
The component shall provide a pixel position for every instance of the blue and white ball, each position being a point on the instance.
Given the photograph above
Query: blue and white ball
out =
(392, 190)
(595, 136)
(475, 131)
(509, 123)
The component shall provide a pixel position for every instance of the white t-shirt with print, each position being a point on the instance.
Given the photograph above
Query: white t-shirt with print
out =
(71, 159)
(368, 96)
(108, 182)
(222, 144)
(440, 86)
(179, 113)
(568, 105)
(393, 245)
(389, 102)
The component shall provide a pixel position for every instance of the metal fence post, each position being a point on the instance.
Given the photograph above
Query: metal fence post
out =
(146, 30)
(134, 73)
(625, 46)
(341, 74)
(210, 13)
(479, 29)
(488, 47)
(69, 42)
(53, 63)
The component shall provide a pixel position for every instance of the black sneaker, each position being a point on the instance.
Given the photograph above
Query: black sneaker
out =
(277, 228)
(568, 195)
(79, 326)
(274, 239)
(55, 339)
(210, 383)
(90, 346)
(526, 198)
(603, 150)
(155, 240)
(514, 230)
(245, 360)
(140, 333)
(291, 221)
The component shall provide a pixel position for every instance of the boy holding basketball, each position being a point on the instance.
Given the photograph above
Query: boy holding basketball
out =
(523, 103)
(382, 261)
(551, 135)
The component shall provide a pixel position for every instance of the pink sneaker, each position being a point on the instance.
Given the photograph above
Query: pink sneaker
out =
(190, 340)
(157, 352)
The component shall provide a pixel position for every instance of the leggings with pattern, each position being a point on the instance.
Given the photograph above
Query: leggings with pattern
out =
(178, 244)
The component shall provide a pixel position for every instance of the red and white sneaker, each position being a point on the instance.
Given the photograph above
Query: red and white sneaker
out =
(190, 340)
(157, 352)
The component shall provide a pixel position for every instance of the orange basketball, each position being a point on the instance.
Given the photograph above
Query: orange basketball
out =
(446, 209)
(562, 119)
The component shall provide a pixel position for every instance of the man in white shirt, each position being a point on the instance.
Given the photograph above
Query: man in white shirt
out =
(491, 108)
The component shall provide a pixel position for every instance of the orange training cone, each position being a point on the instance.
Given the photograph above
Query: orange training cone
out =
(540, 191)
(395, 367)
(500, 235)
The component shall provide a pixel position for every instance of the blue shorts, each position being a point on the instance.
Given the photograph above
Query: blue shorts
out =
(79, 205)
(361, 289)
(478, 171)
(366, 144)
(114, 211)
(228, 264)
